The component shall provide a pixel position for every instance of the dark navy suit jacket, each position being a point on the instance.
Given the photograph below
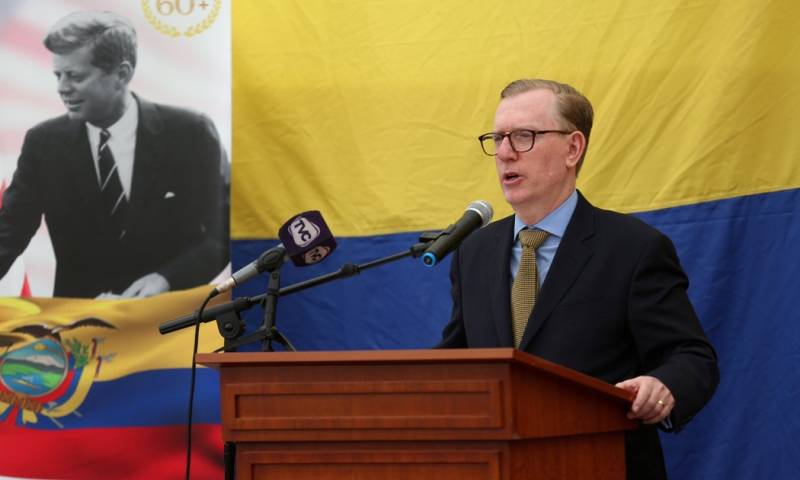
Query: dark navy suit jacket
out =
(613, 306)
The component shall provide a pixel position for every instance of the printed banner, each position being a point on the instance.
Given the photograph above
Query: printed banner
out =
(114, 186)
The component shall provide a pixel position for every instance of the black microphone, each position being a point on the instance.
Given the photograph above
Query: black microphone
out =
(478, 214)
(307, 238)
(268, 260)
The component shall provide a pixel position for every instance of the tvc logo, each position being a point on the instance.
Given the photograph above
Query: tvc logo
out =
(303, 231)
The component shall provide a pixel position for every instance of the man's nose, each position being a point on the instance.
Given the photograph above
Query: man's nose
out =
(64, 85)
(503, 150)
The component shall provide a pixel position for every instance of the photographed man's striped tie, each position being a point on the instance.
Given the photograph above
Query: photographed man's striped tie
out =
(114, 200)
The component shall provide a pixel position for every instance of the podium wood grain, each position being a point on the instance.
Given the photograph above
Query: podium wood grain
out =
(418, 414)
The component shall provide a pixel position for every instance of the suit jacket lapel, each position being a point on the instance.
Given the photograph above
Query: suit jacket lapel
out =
(77, 165)
(500, 278)
(571, 257)
(146, 159)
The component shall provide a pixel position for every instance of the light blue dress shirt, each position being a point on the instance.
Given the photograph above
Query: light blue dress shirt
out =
(555, 223)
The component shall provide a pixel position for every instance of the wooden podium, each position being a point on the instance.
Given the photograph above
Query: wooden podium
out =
(418, 414)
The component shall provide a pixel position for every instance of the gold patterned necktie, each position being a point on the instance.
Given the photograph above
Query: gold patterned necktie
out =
(526, 284)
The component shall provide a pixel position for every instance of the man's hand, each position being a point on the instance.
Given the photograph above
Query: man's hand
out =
(107, 296)
(653, 402)
(147, 286)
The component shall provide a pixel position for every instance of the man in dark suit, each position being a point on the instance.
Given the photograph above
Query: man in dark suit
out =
(593, 290)
(132, 192)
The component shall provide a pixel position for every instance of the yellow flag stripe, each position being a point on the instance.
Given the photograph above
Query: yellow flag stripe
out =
(369, 111)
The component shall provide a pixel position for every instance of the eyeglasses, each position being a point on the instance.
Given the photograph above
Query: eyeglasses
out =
(521, 140)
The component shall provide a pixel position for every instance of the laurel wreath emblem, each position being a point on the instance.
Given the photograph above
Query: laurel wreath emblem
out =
(207, 22)
(191, 30)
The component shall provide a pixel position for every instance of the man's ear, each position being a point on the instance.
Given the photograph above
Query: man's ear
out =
(124, 73)
(576, 147)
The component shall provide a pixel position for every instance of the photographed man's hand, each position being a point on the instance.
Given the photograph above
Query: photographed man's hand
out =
(147, 286)
(108, 296)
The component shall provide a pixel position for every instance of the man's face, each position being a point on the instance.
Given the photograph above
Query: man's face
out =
(89, 93)
(545, 175)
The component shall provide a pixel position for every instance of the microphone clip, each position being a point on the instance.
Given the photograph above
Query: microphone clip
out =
(271, 260)
(425, 240)
(267, 332)
(427, 237)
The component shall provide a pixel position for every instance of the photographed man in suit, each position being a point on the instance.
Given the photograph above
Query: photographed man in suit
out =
(132, 192)
(593, 290)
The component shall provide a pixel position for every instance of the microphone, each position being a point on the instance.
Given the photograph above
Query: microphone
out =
(268, 260)
(478, 214)
(307, 238)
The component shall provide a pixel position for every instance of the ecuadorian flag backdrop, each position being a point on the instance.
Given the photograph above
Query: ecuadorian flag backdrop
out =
(368, 110)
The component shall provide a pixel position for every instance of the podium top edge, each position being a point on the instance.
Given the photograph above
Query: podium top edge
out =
(376, 357)
(359, 356)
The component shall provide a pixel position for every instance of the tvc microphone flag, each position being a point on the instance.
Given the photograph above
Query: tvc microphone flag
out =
(307, 238)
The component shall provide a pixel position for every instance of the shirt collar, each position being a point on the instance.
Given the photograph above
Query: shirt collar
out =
(125, 125)
(555, 223)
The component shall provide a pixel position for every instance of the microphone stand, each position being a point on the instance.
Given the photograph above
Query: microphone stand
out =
(348, 270)
(231, 326)
(268, 332)
(227, 315)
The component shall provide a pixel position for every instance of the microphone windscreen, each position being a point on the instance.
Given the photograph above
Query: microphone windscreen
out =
(484, 209)
(307, 238)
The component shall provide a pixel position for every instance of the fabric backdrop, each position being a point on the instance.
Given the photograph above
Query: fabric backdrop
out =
(369, 111)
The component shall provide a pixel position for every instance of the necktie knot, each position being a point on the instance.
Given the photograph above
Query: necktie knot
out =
(532, 238)
(104, 136)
